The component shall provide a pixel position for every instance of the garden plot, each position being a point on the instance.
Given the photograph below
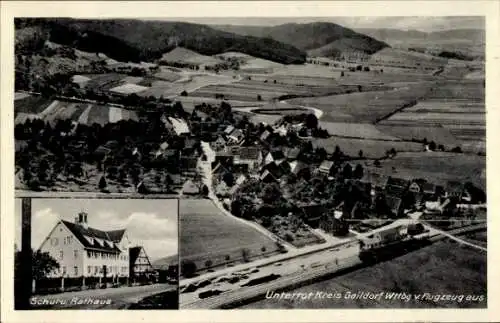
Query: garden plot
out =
(355, 130)
(128, 88)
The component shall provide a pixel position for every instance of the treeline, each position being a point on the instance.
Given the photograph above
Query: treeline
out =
(135, 40)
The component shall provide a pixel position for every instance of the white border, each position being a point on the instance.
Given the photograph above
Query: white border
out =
(114, 9)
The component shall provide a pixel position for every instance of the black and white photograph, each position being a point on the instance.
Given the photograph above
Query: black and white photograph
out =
(309, 162)
(96, 254)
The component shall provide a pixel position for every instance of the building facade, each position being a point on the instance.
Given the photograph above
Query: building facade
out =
(84, 251)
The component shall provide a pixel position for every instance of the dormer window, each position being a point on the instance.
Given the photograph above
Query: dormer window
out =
(89, 239)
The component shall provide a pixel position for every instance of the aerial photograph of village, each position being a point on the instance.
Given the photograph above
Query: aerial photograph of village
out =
(97, 254)
(330, 162)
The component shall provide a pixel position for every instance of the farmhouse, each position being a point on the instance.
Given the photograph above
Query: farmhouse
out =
(326, 166)
(236, 137)
(292, 153)
(250, 156)
(179, 126)
(395, 205)
(219, 144)
(454, 189)
(139, 264)
(273, 156)
(84, 251)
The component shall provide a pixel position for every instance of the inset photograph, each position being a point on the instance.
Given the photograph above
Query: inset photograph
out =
(96, 254)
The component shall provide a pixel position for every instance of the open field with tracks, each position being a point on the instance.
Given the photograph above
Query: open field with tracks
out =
(399, 275)
(208, 235)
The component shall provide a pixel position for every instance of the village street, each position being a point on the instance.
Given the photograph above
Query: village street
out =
(108, 298)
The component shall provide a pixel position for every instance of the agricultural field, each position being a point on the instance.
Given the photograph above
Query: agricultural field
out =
(104, 82)
(370, 148)
(208, 235)
(406, 59)
(190, 84)
(436, 167)
(184, 55)
(364, 106)
(356, 130)
(167, 74)
(409, 132)
(53, 110)
(399, 275)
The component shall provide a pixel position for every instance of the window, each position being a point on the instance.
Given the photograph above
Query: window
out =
(89, 270)
(89, 254)
(54, 241)
(61, 255)
(64, 270)
(76, 270)
(75, 253)
(96, 269)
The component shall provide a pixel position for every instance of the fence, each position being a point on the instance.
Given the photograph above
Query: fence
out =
(59, 285)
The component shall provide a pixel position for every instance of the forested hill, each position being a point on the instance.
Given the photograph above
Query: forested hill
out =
(137, 40)
(313, 36)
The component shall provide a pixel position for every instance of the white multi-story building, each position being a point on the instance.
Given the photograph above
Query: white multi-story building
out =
(84, 251)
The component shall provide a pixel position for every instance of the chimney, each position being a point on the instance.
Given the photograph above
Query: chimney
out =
(81, 219)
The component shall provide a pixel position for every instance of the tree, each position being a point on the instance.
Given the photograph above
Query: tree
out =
(432, 146)
(42, 264)
(358, 171)
(204, 190)
(311, 121)
(227, 258)
(102, 183)
(342, 74)
(347, 171)
(245, 254)
(188, 268)
(228, 178)
(208, 263)
(263, 249)
(271, 193)
(360, 153)
(259, 97)
(457, 149)
(184, 93)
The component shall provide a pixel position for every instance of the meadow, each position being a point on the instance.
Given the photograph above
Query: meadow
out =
(370, 148)
(211, 238)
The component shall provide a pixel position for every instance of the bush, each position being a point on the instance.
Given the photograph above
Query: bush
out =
(188, 268)
(184, 93)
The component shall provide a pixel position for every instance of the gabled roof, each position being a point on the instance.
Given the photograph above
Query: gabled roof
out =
(326, 165)
(265, 135)
(116, 235)
(236, 134)
(81, 232)
(277, 154)
(394, 203)
(228, 130)
(296, 166)
(190, 187)
(394, 181)
(292, 153)
(134, 253)
(249, 153)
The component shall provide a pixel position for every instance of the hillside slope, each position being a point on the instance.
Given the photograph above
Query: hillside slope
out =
(137, 40)
(317, 36)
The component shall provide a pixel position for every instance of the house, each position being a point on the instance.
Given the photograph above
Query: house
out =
(296, 166)
(273, 156)
(394, 204)
(219, 144)
(190, 147)
(326, 166)
(335, 222)
(190, 188)
(179, 126)
(251, 156)
(284, 167)
(292, 154)
(267, 177)
(396, 186)
(382, 237)
(264, 136)
(415, 187)
(139, 263)
(274, 169)
(228, 130)
(236, 137)
(82, 250)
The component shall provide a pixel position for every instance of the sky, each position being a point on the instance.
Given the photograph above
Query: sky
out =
(423, 23)
(150, 223)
